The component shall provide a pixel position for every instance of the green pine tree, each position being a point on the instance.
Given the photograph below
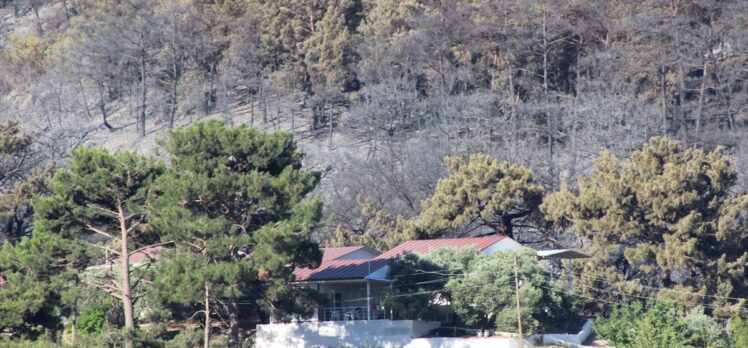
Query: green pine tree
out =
(99, 201)
(480, 192)
(234, 202)
(35, 274)
(663, 223)
(329, 51)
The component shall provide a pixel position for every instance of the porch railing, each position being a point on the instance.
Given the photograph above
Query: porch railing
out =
(349, 313)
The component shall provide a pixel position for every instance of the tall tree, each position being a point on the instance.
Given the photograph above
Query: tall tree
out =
(100, 201)
(662, 222)
(329, 52)
(487, 293)
(234, 202)
(480, 193)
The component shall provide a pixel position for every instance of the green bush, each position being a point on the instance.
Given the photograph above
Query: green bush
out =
(659, 324)
(738, 331)
(92, 319)
(43, 341)
(705, 331)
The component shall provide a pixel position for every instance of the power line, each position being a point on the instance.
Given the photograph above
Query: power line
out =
(613, 282)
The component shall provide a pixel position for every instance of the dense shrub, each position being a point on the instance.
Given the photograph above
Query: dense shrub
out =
(92, 319)
(660, 324)
(738, 331)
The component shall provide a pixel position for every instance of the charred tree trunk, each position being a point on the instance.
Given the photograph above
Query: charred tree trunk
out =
(143, 88)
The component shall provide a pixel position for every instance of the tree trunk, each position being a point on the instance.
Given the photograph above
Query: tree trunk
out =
(73, 320)
(233, 309)
(125, 262)
(329, 120)
(663, 93)
(681, 92)
(550, 118)
(700, 108)
(101, 104)
(67, 10)
(39, 28)
(206, 334)
(513, 111)
(175, 79)
(143, 88)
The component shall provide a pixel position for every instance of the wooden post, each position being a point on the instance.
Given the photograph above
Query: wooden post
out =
(519, 311)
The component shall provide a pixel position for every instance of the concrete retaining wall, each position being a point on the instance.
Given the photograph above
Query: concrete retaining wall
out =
(564, 339)
(460, 342)
(394, 333)
(375, 333)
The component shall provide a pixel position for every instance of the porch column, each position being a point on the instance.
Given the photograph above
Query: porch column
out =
(368, 300)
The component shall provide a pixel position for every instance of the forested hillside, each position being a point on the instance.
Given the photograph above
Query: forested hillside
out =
(617, 126)
(380, 91)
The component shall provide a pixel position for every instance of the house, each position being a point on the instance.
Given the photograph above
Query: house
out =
(356, 279)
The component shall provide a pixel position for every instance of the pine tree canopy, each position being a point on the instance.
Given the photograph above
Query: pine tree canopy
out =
(235, 202)
(480, 192)
(662, 222)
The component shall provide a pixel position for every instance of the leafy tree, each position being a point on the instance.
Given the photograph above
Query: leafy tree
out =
(660, 324)
(480, 193)
(738, 331)
(635, 325)
(481, 288)
(705, 331)
(663, 222)
(421, 279)
(99, 201)
(485, 295)
(234, 202)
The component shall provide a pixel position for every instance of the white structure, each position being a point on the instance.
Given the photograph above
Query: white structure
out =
(352, 333)
(356, 279)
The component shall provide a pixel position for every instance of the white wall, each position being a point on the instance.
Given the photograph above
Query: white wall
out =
(460, 342)
(378, 333)
(504, 244)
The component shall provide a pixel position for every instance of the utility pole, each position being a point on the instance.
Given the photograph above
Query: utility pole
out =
(519, 311)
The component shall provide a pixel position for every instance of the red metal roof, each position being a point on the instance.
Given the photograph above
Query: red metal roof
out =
(426, 245)
(334, 253)
(339, 269)
(332, 269)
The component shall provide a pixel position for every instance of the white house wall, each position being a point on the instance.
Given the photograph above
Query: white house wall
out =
(504, 244)
(358, 333)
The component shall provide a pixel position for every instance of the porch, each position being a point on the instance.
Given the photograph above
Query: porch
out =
(357, 299)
